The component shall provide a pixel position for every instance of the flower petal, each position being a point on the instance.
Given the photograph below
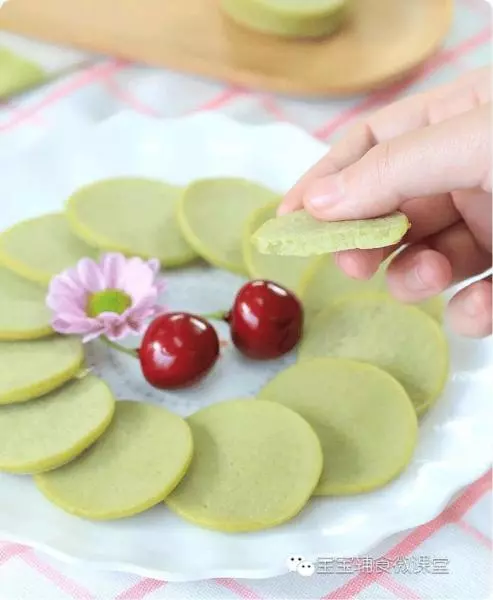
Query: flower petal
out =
(154, 265)
(65, 304)
(139, 279)
(90, 275)
(114, 326)
(67, 283)
(113, 269)
(69, 325)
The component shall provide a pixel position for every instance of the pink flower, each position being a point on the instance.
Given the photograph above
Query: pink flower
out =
(113, 298)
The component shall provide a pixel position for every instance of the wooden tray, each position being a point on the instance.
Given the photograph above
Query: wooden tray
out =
(384, 40)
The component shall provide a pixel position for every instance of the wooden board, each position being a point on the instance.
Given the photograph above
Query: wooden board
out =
(383, 41)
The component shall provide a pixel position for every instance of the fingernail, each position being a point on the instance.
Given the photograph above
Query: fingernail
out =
(415, 278)
(324, 193)
(282, 210)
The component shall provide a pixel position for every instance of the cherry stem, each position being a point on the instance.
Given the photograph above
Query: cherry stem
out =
(219, 315)
(130, 351)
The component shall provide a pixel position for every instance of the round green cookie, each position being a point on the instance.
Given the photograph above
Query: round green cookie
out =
(287, 271)
(300, 234)
(45, 433)
(399, 339)
(23, 311)
(40, 248)
(133, 466)
(324, 282)
(133, 216)
(291, 19)
(363, 417)
(29, 369)
(212, 214)
(256, 465)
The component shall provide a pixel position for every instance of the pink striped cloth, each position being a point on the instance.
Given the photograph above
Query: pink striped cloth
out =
(458, 540)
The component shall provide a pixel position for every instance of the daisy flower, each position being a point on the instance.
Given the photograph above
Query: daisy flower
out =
(113, 298)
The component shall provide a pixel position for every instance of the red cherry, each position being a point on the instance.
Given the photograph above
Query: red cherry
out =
(266, 320)
(178, 349)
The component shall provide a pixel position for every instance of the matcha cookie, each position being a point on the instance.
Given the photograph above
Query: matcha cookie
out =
(23, 311)
(364, 419)
(133, 216)
(133, 466)
(212, 214)
(324, 282)
(17, 74)
(256, 465)
(399, 339)
(50, 431)
(291, 19)
(42, 247)
(29, 369)
(299, 234)
(287, 271)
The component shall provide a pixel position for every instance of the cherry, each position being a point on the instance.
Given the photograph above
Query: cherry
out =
(178, 349)
(266, 320)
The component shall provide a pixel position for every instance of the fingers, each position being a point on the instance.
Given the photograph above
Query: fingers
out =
(469, 312)
(417, 273)
(424, 270)
(463, 252)
(452, 155)
(397, 119)
(359, 140)
(362, 264)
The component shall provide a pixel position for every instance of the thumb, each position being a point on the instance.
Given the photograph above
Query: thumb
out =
(452, 155)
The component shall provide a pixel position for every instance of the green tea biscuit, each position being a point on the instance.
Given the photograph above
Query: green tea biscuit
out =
(45, 433)
(42, 247)
(18, 74)
(399, 339)
(363, 417)
(299, 234)
(133, 466)
(133, 216)
(324, 282)
(29, 369)
(292, 18)
(212, 214)
(23, 311)
(284, 270)
(256, 465)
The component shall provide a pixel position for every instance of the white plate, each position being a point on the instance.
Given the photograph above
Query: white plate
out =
(455, 439)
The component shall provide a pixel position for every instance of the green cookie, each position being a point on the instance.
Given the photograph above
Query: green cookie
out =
(17, 74)
(133, 466)
(364, 419)
(324, 282)
(256, 465)
(287, 271)
(399, 339)
(29, 369)
(133, 216)
(299, 234)
(23, 311)
(295, 18)
(45, 433)
(212, 214)
(42, 247)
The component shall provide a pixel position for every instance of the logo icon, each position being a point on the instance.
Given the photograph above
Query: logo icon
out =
(297, 564)
(293, 562)
(306, 568)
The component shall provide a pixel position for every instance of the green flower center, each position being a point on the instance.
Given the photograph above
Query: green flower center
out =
(114, 301)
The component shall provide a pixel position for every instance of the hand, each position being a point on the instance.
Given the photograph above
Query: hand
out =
(430, 157)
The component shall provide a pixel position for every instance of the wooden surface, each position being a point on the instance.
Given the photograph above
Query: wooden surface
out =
(383, 41)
